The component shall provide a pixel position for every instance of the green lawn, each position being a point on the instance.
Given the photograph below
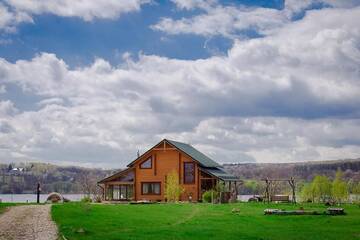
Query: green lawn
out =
(3, 206)
(200, 221)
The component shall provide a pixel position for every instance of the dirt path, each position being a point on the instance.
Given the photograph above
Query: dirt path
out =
(29, 222)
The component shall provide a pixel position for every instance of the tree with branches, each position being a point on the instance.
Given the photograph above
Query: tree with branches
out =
(173, 189)
(340, 191)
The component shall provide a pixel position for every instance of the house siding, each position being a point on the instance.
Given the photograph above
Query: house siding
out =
(164, 161)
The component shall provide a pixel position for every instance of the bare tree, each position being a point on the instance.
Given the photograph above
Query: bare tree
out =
(88, 184)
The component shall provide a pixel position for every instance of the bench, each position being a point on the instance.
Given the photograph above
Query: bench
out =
(280, 198)
(335, 211)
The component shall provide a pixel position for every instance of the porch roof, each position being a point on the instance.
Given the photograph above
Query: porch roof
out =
(115, 175)
(220, 173)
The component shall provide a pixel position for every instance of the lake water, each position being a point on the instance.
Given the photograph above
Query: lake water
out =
(31, 198)
(244, 198)
(23, 198)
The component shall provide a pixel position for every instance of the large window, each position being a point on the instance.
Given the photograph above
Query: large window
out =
(147, 163)
(119, 192)
(150, 188)
(189, 172)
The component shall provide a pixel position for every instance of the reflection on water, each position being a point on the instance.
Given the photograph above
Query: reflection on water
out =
(23, 198)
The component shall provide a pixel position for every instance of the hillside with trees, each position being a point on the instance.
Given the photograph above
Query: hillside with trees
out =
(22, 178)
(303, 172)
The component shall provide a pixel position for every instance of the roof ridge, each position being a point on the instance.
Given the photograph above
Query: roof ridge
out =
(194, 153)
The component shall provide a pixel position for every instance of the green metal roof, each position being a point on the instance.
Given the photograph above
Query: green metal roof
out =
(204, 160)
(220, 173)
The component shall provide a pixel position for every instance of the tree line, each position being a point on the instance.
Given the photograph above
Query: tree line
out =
(322, 189)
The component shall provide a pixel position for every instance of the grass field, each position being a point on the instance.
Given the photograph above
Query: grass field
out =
(200, 221)
(3, 206)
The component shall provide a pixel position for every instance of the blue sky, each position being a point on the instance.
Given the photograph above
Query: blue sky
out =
(244, 81)
(78, 42)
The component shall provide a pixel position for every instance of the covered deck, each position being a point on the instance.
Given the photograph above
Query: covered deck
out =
(118, 187)
(210, 178)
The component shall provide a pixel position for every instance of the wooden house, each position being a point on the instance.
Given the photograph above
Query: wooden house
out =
(145, 177)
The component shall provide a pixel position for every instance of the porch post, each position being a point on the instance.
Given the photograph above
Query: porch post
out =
(105, 190)
(235, 190)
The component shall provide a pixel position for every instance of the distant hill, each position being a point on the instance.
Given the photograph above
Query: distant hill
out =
(22, 178)
(300, 170)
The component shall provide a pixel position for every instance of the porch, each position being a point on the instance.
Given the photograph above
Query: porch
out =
(219, 180)
(118, 187)
(122, 191)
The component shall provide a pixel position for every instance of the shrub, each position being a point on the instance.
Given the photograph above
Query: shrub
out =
(208, 195)
(97, 199)
(86, 199)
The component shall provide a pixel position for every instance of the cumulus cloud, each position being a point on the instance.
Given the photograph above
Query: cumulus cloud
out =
(276, 139)
(231, 21)
(224, 20)
(193, 4)
(17, 11)
(86, 9)
(292, 95)
(10, 19)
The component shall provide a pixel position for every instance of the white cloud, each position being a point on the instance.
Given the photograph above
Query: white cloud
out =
(85, 9)
(9, 19)
(293, 95)
(224, 20)
(17, 11)
(230, 21)
(270, 139)
(2, 89)
(192, 4)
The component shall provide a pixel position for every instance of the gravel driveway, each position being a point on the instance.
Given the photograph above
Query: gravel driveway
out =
(28, 222)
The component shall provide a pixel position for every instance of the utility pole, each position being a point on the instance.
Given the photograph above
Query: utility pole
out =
(38, 190)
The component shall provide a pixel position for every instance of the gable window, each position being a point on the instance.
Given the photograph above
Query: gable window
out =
(150, 188)
(189, 172)
(146, 164)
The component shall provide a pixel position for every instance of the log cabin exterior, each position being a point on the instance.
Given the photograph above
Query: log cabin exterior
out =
(144, 178)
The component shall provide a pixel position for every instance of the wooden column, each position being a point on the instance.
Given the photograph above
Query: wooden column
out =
(179, 168)
(198, 183)
(235, 190)
(155, 164)
(134, 185)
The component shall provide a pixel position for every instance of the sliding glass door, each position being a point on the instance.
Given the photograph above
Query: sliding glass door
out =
(120, 192)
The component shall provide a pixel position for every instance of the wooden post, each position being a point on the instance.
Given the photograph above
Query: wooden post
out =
(179, 168)
(155, 164)
(235, 191)
(212, 196)
(38, 190)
